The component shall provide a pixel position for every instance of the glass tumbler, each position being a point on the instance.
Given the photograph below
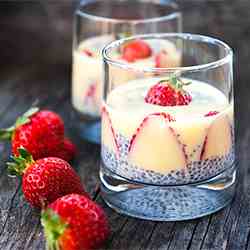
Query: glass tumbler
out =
(168, 133)
(98, 22)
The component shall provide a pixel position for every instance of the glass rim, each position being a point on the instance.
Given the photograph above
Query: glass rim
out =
(185, 36)
(174, 15)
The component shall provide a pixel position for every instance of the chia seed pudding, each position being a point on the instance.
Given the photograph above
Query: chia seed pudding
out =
(142, 143)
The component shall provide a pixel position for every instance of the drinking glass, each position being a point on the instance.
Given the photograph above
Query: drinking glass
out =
(97, 22)
(163, 162)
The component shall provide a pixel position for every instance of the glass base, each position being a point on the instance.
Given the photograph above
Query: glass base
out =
(167, 203)
(89, 127)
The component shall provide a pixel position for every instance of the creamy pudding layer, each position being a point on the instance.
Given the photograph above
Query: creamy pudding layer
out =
(87, 75)
(87, 70)
(141, 143)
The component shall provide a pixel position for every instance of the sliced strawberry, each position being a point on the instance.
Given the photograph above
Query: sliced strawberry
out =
(166, 116)
(90, 95)
(136, 49)
(168, 92)
(108, 133)
(91, 90)
(218, 141)
(154, 145)
(211, 113)
(161, 59)
(87, 52)
(192, 136)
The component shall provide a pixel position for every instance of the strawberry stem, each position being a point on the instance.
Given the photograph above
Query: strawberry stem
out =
(176, 82)
(20, 163)
(7, 133)
(54, 227)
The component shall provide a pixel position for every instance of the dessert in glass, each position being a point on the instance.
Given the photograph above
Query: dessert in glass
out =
(168, 133)
(97, 23)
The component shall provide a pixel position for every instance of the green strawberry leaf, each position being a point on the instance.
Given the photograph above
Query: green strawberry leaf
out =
(26, 155)
(176, 82)
(31, 112)
(13, 169)
(19, 163)
(173, 80)
(25, 118)
(53, 226)
(7, 133)
(21, 121)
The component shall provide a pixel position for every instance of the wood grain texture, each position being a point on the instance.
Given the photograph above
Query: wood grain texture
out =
(41, 70)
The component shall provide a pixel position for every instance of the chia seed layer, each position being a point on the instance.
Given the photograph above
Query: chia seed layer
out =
(194, 172)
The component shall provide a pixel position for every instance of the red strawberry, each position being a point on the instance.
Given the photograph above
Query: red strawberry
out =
(91, 90)
(90, 95)
(108, 133)
(40, 132)
(74, 222)
(44, 180)
(166, 116)
(87, 52)
(211, 113)
(161, 59)
(136, 49)
(67, 152)
(168, 92)
(158, 128)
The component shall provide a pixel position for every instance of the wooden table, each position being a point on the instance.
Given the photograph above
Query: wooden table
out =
(26, 75)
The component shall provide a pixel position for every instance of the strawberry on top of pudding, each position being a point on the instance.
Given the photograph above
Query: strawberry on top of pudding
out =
(136, 49)
(153, 53)
(169, 92)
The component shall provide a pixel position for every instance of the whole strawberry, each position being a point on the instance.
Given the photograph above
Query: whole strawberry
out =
(40, 132)
(44, 180)
(168, 92)
(67, 151)
(136, 49)
(74, 222)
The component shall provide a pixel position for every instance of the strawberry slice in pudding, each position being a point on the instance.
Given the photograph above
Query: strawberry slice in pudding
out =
(90, 95)
(108, 133)
(218, 140)
(87, 52)
(146, 154)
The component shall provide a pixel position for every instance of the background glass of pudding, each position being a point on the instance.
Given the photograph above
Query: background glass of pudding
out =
(97, 23)
(169, 163)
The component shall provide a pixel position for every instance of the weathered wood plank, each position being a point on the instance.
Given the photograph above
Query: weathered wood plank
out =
(19, 224)
(133, 234)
